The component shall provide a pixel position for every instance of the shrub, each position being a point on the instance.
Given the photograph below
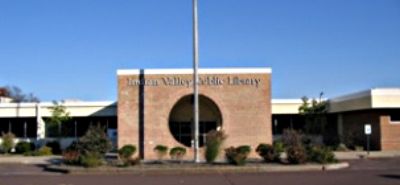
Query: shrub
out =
(90, 149)
(24, 147)
(279, 147)
(177, 153)
(71, 157)
(321, 155)
(91, 160)
(295, 151)
(237, 156)
(43, 151)
(161, 151)
(268, 153)
(214, 140)
(94, 142)
(55, 147)
(296, 154)
(291, 138)
(126, 153)
(8, 142)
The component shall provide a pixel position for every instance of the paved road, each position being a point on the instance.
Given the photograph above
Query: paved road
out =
(363, 172)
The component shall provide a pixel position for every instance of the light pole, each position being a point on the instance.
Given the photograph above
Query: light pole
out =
(196, 82)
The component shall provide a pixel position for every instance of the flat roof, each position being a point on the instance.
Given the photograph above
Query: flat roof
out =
(376, 98)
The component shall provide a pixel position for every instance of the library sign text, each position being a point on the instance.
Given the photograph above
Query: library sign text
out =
(188, 82)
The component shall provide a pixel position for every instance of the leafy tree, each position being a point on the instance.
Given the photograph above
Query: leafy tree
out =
(8, 142)
(59, 115)
(16, 94)
(315, 114)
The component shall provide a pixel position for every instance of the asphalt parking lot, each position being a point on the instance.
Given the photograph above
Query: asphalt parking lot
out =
(363, 172)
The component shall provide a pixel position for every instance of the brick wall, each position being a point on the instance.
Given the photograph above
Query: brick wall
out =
(245, 109)
(390, 132)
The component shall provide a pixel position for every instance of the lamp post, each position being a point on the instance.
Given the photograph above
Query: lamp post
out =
(195, 82)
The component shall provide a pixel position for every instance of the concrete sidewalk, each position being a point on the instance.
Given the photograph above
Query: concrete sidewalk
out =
(363, 154)
(36, 160)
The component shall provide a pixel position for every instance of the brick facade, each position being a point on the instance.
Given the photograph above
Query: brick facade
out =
(244, 100)
(385, 134)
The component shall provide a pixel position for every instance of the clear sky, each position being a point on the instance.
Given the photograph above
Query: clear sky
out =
(71, 49)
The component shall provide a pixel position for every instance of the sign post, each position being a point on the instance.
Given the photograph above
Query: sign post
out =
(368, 131)
(196, 82)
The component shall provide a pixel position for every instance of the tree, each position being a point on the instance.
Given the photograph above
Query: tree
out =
(4, 92)
(95, 141)
(16, 94)
(59, 115)
(315, 114)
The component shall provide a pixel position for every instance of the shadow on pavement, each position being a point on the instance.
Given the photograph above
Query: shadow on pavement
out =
(391, 176)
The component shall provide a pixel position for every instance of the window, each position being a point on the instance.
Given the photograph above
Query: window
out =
(395, 118)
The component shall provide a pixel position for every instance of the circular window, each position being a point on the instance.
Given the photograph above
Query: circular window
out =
(181, 119)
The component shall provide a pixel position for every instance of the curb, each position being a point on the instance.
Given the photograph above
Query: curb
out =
(177, 170)
(337, 166)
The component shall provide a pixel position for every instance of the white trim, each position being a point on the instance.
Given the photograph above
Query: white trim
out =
(394, 122)
(66, 104)
(385, 91)
(128, 72)
(260, 70)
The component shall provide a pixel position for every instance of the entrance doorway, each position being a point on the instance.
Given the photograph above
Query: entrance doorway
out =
(181, 119)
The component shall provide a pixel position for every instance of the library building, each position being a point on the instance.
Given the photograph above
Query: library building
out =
(155, 107)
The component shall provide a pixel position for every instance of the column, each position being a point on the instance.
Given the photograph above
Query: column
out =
(41, 127)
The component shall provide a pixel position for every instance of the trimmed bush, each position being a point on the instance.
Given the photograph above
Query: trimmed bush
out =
(161, 151)
(55, 147)
(268, 153)
(91, 160)
(43, 151)
(8, 142)
(24, 147)
(177, 153)
(321, 155)
(214, 140)
(238, 155)
(296, 154)
(126, 153)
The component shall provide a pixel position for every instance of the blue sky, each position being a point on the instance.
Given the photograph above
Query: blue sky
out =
(72, 49)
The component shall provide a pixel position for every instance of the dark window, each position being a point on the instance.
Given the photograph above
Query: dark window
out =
(182, 131)
(20, 127)
(395, 117)
(287, 121)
